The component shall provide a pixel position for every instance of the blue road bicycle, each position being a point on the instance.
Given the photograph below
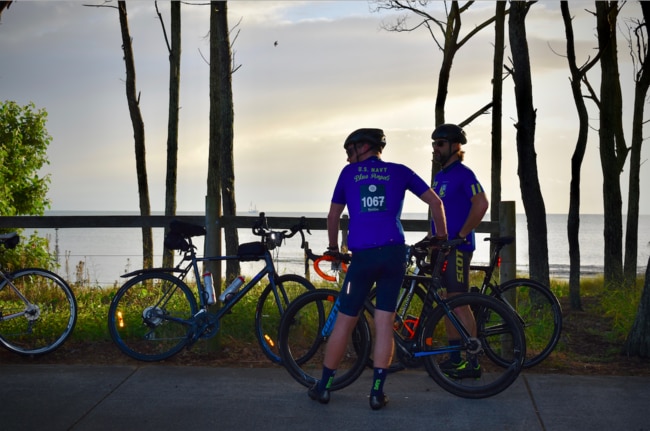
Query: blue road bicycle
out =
(155, 314)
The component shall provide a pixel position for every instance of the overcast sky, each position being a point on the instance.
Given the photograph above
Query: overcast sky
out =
(333, 70)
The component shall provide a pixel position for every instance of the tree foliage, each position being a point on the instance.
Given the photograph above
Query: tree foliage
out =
(23, 152)
(23, 189)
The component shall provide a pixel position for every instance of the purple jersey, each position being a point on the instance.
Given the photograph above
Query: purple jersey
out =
(456, 185)
(373, 191)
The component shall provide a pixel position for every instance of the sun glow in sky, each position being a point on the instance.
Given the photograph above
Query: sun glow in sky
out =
(334, 69)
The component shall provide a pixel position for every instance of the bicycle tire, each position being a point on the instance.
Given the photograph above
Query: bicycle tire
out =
(268, 312)
(496, 324)
(302, 345)
(148, 318)
(407, 319)
(540, 313)
(47, 321)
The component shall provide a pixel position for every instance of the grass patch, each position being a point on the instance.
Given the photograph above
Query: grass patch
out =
(617, 306)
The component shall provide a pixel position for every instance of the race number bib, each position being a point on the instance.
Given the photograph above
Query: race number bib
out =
(373, 198)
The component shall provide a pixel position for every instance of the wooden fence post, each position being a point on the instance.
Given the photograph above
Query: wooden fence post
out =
(508, 227)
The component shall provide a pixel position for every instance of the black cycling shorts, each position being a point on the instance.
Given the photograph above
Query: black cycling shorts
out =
(384, 266)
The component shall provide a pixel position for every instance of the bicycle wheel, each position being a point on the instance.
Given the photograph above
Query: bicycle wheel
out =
(270, 308)
(39, 314)
(496, 326)
(148, 318)
(541, 316)
(407, 319)
(302, 343)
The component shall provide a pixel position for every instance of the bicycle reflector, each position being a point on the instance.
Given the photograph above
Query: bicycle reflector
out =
(499, 262)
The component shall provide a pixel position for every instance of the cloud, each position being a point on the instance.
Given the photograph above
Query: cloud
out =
(334, 70)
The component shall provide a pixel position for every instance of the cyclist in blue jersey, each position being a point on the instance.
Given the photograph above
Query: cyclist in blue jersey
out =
(465, 204)
(373, 191)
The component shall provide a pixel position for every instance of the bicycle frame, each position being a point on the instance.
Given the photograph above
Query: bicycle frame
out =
(182, 270)
(433, 297)
(6, 281)
(489, 270)
(433, 284)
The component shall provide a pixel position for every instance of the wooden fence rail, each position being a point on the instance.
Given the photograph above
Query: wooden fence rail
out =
(505, 227)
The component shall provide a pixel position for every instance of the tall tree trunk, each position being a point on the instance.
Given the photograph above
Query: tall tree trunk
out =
(138, 135)
(638, 340)
(226, 135)
(172, 120)
(573, 221)
(527, 170)
(213, 198)
(611, 142)
(640, 93)
(497, 107)
(221, 182)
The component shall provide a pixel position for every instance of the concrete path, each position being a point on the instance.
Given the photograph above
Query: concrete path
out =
(159, 397)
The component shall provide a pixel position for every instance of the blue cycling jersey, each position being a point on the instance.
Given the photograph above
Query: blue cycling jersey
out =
(373, 191)
(456, 185)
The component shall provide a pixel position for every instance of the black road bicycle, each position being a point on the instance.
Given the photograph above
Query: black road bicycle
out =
(38, 310)
(155, 314)
(537, 308)
(420, 336)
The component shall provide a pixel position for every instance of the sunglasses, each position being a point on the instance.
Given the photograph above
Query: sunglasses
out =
(440, 143)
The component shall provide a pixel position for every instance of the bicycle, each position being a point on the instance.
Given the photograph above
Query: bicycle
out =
(155, 314)
(309, 319)
(38, 310)
(537, 308)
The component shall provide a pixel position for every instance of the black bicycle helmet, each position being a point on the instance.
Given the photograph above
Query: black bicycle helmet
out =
(449, 132)
(374, 137)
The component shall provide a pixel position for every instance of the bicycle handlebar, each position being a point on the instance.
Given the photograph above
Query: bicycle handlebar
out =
(261, 228)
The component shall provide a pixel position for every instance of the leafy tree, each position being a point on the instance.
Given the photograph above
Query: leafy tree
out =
(23, 152)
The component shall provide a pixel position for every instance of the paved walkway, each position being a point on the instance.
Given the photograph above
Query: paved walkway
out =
(157, 397)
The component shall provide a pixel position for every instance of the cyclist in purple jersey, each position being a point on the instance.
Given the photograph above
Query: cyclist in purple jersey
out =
(373, 191)
(465, 204)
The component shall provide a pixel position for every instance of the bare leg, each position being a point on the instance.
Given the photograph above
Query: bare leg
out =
(384, 346)
(338, 340)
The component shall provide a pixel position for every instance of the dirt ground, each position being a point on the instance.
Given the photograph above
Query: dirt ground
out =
(584, 350)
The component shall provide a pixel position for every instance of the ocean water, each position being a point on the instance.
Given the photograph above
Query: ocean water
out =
(102, 255)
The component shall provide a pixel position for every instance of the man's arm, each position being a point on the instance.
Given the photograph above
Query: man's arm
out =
(333, 220)
(478, 209)
(437, 211)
